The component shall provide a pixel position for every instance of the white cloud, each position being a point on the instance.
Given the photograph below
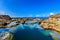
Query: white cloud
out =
(51, 13)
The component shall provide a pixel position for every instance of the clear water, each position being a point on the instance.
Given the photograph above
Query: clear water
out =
(28, 32)
(31, 32)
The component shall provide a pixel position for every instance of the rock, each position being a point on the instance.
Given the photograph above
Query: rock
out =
(32, 22)
(5, 17)
(4, 20)
(52, 23)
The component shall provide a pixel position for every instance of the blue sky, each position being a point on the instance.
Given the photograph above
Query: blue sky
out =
(29, 8)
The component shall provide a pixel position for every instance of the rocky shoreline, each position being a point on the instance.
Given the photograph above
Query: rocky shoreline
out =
(52, 23)
(6, 20)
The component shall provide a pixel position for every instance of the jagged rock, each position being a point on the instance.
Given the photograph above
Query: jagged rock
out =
(5, 17)
(52, 23)
(4, 20)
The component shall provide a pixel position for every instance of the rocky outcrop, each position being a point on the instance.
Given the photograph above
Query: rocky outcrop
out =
(4, 20)
(52, 23)
(5, 17)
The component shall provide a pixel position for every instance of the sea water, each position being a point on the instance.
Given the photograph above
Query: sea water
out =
(28, 32)
(31, 32)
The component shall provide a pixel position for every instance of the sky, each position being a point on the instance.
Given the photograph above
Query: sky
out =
(29, 8)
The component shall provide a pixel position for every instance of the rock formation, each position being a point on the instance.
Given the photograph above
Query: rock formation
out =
(52, 23)
(4, 20)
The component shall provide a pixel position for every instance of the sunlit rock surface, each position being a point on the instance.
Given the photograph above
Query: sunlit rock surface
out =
(4, 20)
(52, 23)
